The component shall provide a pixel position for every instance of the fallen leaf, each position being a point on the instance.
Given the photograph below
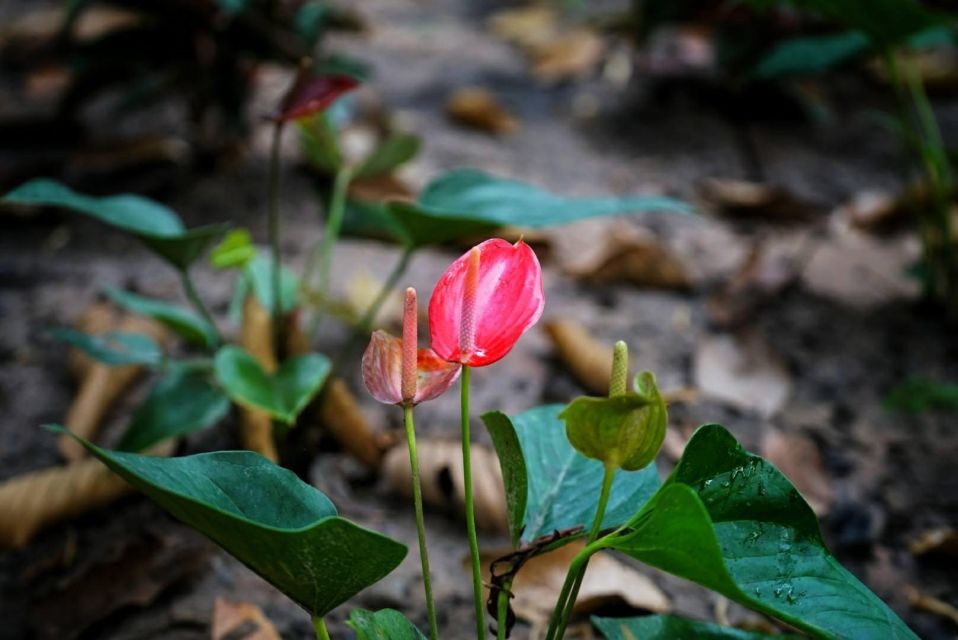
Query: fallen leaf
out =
(45, 24)
(767, 271)
(943, 541)
(341, 415)
(363, 289)
(742, 199)
(240, 621)
(440, 466)
(526, 27)
(931, 604)
(589, 359)
(872, 210)
(607, 582)
(256, 336)
(380, 188)
(477, 108)
(742, 371)
(799, 458)
(680, 50)
(572, 55)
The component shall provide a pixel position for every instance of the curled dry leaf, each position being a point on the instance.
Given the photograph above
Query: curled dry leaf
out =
(589, 359)
(943, 542)
(572, 55)
(623, 253)
(256, 336)
(755, 200)
(607, 582)
(478, 108)
(875, 211)
(440, 465)
(100, 385)
(924, 602)
(767, 271)
(526, 27)
(743, 371)
(34, 500)
(799, 458)
(229, 618)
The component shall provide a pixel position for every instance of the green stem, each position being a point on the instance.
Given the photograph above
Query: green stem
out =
(319, 626)
(194, 297)
(470, 509)
(578, 565)
(323, 255)
(420, 524)
(566, 603)
(274, 240)
(502, 613)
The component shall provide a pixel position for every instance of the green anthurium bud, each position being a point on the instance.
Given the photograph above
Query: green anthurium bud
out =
(625, 431)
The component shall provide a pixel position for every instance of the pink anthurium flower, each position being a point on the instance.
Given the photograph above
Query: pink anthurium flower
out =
(397, 372)
(485, 301)
(312, 94)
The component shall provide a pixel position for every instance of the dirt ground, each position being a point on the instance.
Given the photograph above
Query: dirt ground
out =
(841, 336)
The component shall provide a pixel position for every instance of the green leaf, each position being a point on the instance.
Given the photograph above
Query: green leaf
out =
(513, 465)
(259, 276)
(385, 624)
(283, 394)
(183, 250)
(392, 153)
(562, 484)
(625, 431)
(918, 395)
(184, 322)
(730, 521)
(665, 627)
(280, 527)
(812, 55)
(132, 213)
(114, 348)
(183, 401)
(317, 137)
(234, 251)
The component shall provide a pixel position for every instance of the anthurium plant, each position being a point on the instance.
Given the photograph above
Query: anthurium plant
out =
(724, 518)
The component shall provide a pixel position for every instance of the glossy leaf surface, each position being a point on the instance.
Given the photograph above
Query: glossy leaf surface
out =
(283, 394)
(280, 527)
(183, 321)
(385, 624)
(666, 627)
(562, 484)
(730, 521)
(114, 348)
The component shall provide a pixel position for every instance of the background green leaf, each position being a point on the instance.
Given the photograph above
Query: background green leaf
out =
(563, 485)
(183, 250)
(181, 402)
(918, 395)
(513, 465)
(113, 347)
(274, 523)
(665, 627)
(283, 394)
(393, 152)
(235, 250)
(259, 277)
(385, 624)
(184, 322)
(812, 55)
(732, 522)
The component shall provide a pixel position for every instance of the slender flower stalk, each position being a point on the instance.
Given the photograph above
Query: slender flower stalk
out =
(319, 628)
(274, 235)
(194, 297)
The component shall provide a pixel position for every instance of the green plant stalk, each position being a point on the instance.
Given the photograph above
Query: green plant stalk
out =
(420, 523)
(563, 610)
(274, 232)
(334, 222)
(194, 297)
(319, 627)
(502, 611)
(470, 509)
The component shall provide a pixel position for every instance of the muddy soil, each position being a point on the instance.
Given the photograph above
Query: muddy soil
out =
(846, 333)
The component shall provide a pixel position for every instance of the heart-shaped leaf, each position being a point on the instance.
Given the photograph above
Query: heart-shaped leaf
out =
(235, 250)
(666, 627)
(385, 624)
(153, 223)
(562, 485)
(730, 521)
(283, 394)
(392, 153)
(114, 348)
(280, 527)
(183, 401)
(184, 322)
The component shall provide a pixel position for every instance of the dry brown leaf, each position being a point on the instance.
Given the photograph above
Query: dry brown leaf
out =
(799, 458)
(45, 24)
(380, 188)
(743, 371)
(943, 541)
(607, 581)
(589, 360)
(931, 604)
(256, 336)
(478, 108)
(440, 465)
(755, 200)
(363, 289)
(340, 413)
(573, 55)
(526, 27)
(764, 274)
(240, 621)
(101, 385)
(625, 253)
(34, 500)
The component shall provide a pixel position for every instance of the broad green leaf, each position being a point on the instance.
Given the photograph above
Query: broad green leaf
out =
(280, 527)
(259, 276)
(732, 522)
(183, 401)
(513, 466)
(385, 624)
(131, 213)
(918, 395)
(666, 627)
(420, 226)
(183, 250)
(562, 484)
(235, 250)
(184, 322)
(392, 153)
(625, 431)
(283, 394)
(114, 347)
(812, 55)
